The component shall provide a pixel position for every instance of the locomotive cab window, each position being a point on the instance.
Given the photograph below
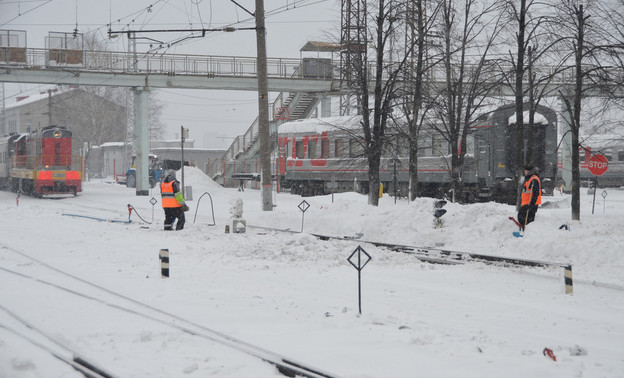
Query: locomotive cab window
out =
(620, 155)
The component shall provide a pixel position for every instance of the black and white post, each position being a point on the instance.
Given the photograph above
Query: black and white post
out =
(164, 263)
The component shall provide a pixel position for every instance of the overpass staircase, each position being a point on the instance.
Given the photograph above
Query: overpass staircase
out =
(243, 155)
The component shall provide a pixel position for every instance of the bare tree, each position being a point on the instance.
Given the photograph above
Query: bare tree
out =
(529, 82)
(98, 114)
(385, 76)
(93, 114)
(584, 53)
(420, 20)
(469, 31)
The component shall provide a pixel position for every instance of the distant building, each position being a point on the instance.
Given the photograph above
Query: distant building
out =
(110, 159)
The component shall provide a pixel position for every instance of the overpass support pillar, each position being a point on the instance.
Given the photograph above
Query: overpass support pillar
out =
(141, 132)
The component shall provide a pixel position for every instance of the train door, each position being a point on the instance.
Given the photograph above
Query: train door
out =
(21, 155)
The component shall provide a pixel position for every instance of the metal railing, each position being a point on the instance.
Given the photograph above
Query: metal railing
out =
(168, 64)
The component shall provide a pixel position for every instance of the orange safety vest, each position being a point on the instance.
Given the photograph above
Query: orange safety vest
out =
(168, 197)
(527, 192)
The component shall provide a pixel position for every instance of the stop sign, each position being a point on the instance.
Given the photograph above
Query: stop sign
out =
(598, 164)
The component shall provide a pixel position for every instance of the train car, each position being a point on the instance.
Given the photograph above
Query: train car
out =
(612, 147)
(321, 156)
(40, 163)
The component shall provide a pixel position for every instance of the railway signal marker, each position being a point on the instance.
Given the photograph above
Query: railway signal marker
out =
(359, 266)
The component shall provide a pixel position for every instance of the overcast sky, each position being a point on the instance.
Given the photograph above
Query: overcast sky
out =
(213, 117)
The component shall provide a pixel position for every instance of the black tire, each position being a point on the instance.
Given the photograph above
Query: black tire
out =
(131, 181)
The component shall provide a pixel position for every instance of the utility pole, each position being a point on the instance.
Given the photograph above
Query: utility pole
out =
(49, 107)
(183, 137)
(263, 110)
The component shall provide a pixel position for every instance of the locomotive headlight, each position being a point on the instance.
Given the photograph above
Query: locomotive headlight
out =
(57, 133)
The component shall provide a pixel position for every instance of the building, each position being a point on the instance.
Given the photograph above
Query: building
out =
(91, 114)
(114, 158)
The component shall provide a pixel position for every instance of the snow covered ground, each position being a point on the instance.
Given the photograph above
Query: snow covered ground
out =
(296, 295)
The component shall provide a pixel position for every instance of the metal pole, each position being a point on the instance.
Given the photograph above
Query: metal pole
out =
(263, 109)
(595, 189)
(360, 283)
(182, 148)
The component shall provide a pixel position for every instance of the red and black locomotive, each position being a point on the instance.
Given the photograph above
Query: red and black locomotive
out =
(40, 163)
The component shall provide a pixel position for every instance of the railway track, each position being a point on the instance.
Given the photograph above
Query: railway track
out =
(85, 290)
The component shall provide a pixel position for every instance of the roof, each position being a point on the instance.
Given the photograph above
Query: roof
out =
(43, 95)
(320, 46)
(319, 125)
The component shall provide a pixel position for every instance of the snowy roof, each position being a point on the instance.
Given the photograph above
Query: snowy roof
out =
(320, 46)
(319, 125)
(35, 97)
(111, 144)
(539, 118)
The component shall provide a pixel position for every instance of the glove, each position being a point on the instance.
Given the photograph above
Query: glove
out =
(185, 208)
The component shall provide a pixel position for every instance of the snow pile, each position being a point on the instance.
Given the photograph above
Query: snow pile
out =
(295, 294)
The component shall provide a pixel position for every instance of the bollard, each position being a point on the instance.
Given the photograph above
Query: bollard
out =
(164, 263)
(567, 277)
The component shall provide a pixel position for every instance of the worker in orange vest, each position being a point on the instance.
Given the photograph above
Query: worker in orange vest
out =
(531, 196)
(173, 202)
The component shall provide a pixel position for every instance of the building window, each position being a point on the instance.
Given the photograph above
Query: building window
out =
(12, 126)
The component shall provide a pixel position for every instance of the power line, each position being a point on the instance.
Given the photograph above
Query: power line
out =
(28, 11)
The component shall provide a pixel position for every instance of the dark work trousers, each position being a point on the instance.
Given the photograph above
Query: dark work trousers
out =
(526, 214)
(171, 214)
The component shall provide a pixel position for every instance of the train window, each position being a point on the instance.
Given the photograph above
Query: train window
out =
(404, 146)
(470, 145)
(608, 155)
(355, 150)
(620, 155)
(424, 145)
(311, 148)
(437, 146)
(289, 150)
(299, 149)
(324, 148)
(339, 148)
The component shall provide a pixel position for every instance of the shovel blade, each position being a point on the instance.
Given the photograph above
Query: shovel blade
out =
(517, 234)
